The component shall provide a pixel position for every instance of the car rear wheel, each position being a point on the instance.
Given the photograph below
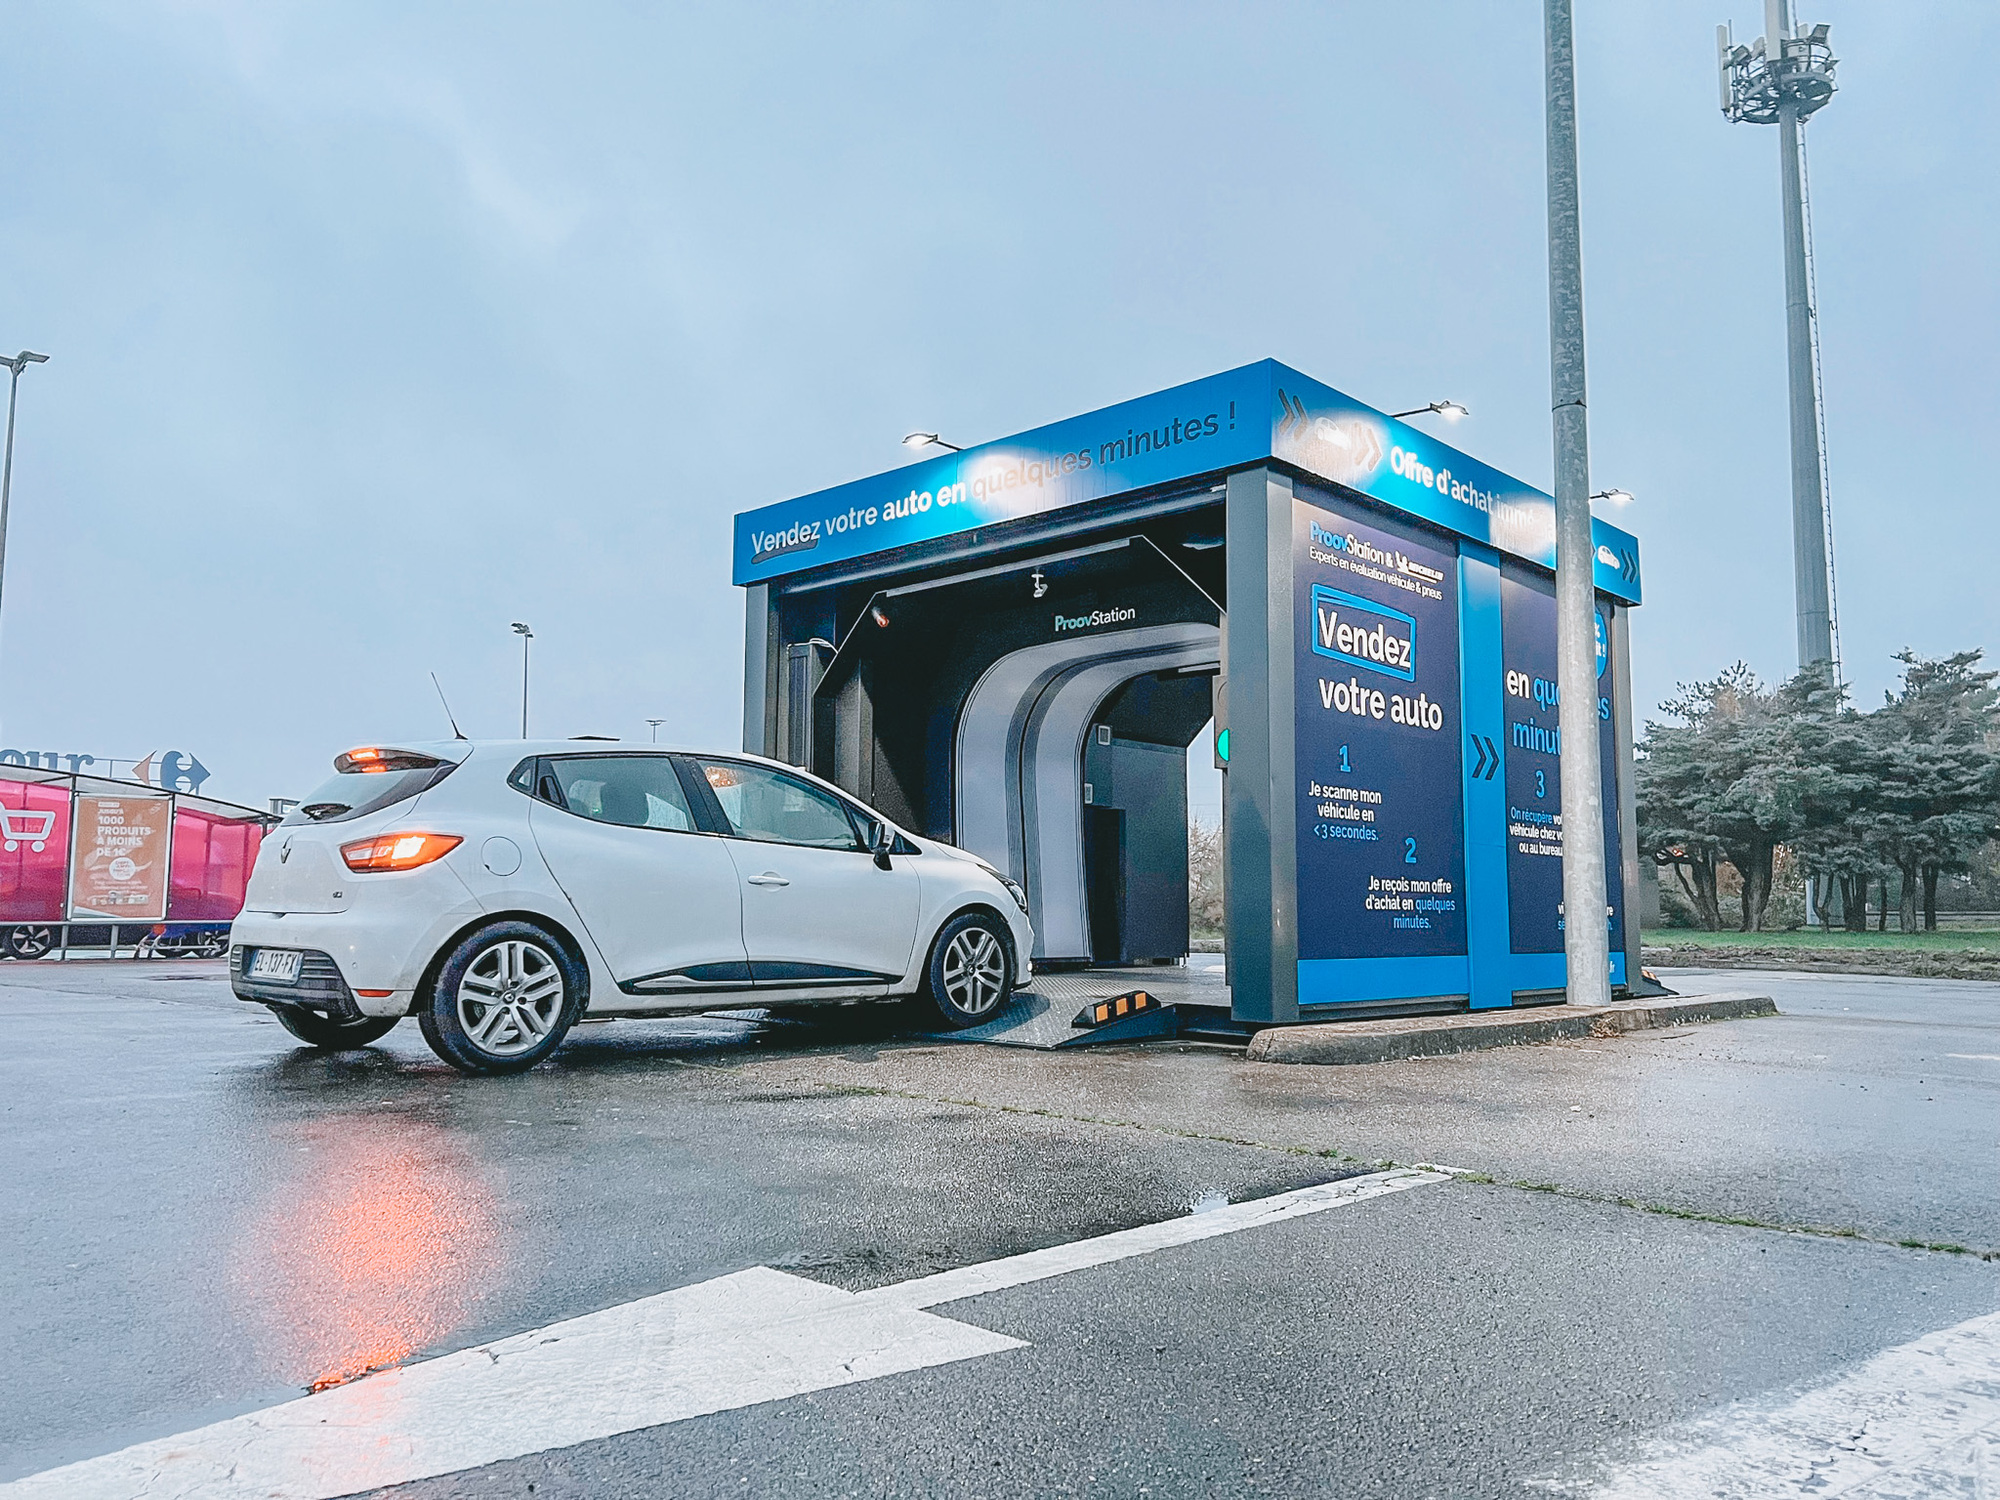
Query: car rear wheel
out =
(503, 1001)
(971, 970)
(316, 1030)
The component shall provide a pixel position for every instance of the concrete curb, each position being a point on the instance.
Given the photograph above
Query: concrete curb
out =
(1437, 1036)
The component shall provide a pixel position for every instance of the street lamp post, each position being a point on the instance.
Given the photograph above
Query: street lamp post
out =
(526, 636)
(654, 725)
(17, 364)
(1586, 931)
(929, 440)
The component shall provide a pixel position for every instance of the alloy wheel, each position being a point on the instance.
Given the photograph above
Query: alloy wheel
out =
(510, 998)
(30, 942)
(975, 971)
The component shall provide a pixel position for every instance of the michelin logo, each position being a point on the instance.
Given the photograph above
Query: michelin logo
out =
(1363, 634)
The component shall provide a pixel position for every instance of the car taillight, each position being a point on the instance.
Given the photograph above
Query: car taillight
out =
(398, 851)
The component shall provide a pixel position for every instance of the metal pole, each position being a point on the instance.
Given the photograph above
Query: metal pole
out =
(525, 638)
(7, 469)
(1586, 933)
(1809, 569)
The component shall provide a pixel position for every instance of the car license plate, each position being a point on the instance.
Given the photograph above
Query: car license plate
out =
(279, 965)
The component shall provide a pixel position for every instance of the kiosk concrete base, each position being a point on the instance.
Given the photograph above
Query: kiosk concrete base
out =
(1439, 1036)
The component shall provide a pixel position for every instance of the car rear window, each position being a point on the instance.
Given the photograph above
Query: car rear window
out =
(355, 794)
(637, 791)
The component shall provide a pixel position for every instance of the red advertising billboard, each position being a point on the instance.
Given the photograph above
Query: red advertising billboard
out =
(118, 860)
(34, 850)
(212, 856)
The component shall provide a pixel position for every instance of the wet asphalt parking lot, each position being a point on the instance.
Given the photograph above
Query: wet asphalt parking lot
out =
(202, 1221)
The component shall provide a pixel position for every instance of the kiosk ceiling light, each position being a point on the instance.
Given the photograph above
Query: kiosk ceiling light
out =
(879, 617)
(929, 439)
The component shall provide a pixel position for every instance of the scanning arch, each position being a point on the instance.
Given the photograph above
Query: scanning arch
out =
(1018, 785)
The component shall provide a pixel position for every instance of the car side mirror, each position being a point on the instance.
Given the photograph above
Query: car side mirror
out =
(885, 840)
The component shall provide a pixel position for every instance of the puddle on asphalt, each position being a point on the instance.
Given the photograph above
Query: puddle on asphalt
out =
(379, 1242)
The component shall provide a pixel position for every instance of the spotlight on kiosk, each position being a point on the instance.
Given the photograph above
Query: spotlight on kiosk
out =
(1451, 411)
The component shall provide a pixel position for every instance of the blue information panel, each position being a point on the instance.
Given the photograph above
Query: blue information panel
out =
(1381, 835)
(1533, 758)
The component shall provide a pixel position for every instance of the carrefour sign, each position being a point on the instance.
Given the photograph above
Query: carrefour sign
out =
(169, 770)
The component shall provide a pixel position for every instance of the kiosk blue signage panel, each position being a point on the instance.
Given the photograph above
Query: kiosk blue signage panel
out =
(1242, 416)
(1380, 826)
(1532, 756)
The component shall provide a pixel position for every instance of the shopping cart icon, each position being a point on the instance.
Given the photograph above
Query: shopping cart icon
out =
(30, 828)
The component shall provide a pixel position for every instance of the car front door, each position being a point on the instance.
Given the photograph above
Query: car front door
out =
(658, 895)
(817, 908)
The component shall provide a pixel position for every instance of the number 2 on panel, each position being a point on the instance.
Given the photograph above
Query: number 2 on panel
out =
(1343, 759)
(1409, 851)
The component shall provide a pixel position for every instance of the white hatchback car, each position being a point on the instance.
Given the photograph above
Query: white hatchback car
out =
(498, 890)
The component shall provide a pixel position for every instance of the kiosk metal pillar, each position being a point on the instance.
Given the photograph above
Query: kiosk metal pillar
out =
(1259, 790)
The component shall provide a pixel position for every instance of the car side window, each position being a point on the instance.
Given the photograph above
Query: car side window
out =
(775, 808)
(636, 791)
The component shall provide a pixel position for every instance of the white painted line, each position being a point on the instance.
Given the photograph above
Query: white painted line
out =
(1976, 1056)
(754, 1336)
(1920, 1419)
(1059, 1260)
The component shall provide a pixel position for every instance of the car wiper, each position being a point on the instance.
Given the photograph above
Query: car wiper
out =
(319, 812)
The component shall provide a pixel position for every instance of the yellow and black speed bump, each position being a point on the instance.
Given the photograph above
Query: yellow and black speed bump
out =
(1116, 1008)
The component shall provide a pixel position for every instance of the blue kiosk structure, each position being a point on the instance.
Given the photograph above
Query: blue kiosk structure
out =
(1012, 648)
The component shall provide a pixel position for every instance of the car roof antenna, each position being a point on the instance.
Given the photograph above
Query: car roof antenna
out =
(456, 732)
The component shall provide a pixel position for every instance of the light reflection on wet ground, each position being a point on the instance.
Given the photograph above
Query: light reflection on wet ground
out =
(377, 1241)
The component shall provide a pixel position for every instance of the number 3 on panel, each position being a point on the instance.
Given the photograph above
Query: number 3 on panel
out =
(1409, 851)
(1541, 784)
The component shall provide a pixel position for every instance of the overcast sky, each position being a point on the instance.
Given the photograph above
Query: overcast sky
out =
(378, 326)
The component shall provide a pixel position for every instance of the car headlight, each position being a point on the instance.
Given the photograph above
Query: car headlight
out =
(1014, 889)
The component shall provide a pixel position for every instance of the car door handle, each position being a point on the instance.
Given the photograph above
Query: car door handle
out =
(769, 877)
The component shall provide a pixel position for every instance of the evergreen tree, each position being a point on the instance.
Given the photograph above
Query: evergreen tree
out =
(1731, 780)
(1938, 798)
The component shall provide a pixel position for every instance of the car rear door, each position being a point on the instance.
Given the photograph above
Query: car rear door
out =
(659, 896)
(817, 909)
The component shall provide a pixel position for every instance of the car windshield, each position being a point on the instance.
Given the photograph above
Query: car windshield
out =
(355, 794)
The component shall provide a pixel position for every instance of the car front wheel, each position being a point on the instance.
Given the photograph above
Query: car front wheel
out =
(971, 970)
(503, 1001)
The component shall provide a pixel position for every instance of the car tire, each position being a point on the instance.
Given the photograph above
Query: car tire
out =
(971, 970)
(503, 1000)
(30, 942)
(316, 1030)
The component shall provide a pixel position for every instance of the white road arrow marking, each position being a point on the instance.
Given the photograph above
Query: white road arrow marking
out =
(1921, 1419)
(754, 1336)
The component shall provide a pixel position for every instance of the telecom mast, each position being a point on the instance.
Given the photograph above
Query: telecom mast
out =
(1781, 79)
